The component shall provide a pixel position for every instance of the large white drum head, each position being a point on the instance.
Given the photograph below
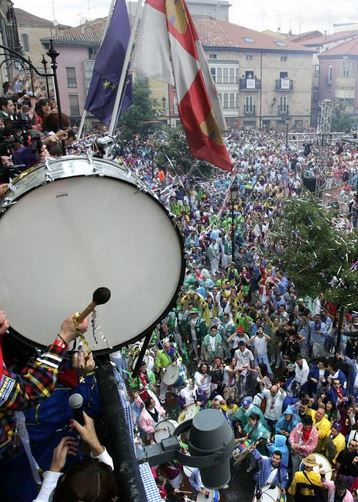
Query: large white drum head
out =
(61, 241)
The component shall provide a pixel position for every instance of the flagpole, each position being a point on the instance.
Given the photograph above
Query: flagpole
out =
(109, 17)
(122, 80)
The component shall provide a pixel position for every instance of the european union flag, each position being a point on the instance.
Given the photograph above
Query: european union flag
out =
(108, 68)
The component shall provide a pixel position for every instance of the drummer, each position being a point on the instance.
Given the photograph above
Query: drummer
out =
(188, 395)
(164, 358)
(306, 484)
(150, 416)
(197, 485)
(271, 469)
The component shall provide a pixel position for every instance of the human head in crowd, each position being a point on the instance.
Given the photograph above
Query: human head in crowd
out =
(89, 480)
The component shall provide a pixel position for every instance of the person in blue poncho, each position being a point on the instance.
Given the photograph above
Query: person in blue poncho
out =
(287, 422)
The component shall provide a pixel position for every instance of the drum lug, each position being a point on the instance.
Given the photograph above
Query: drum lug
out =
(6, 204)
(48, 177)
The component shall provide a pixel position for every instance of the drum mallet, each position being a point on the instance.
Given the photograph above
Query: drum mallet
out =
(100, 297)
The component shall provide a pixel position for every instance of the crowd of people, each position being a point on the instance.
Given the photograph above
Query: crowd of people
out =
(240, 339)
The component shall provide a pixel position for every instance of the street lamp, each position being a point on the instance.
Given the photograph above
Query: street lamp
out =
(234, 193)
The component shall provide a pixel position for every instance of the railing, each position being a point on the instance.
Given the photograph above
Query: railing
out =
(249, 84)
(284, 84)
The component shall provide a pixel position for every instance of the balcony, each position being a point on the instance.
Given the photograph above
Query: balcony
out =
(249, 84)
(250, 110)
(282, 110)
(284, 84)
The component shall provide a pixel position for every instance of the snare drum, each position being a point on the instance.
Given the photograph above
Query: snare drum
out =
(171, 374)
(269, 493)
(188, 413)
(214, 496)
(182, 377)
(74, 224)
(164, 429)
(323, 463)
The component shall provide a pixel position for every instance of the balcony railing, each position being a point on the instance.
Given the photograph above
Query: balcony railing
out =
(282, 110)
(249, 84)
(250, 110)
(284, 84)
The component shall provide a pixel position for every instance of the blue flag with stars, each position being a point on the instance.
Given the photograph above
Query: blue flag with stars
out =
(108, 68)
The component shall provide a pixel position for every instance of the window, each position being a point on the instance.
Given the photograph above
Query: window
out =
(226, 75)
(74, 105)
(249, 57)
(346, 70)
(212, 56)
(25, 42)
(283, 74)
(71, 77)
(283, 102)
(249, 103)
(330, 74)
(92, 52)
(249, 40)
(229, 100)
(316, 70)
(283, 58)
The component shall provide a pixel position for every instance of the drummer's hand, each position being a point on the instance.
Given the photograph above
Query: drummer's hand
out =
(4, 323)
(70, 329)
(83, 360)
(3, 188)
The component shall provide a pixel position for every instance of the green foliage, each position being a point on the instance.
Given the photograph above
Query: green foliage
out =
(316, 255)
(173, 146)
(140, 117)
(341, 121)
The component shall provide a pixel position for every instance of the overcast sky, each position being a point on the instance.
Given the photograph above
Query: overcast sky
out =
(298, 15)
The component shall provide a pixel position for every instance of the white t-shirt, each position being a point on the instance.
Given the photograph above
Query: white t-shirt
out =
(260, 344)
(273, 404)
(243, 358)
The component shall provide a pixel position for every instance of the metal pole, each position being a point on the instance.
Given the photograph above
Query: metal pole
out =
(32, 78)
(122, 80)
(44, 64)
(53, 55)
(84, 113)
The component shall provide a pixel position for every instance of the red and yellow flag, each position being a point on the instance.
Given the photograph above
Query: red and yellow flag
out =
(168, 49)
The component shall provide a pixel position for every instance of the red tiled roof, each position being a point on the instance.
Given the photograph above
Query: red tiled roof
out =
(335, 37)
(212, 33)
(215, 33)
(349, 48)
(27, 20)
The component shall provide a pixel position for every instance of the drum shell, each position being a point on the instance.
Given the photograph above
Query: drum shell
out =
(58, 180)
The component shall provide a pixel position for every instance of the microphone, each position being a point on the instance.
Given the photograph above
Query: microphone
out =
(76, 402)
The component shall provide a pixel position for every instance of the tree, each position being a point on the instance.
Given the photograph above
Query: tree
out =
(174, 155)
(317, 255)
(140, 117)
(341, 120)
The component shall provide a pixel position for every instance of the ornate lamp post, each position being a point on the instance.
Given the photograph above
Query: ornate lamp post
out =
(53, 55)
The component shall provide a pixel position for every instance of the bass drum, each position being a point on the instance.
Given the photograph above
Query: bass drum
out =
(269, 493)
(73, 224)
(322, 463)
